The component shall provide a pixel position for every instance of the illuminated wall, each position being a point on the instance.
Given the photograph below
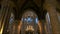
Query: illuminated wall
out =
(29, 18)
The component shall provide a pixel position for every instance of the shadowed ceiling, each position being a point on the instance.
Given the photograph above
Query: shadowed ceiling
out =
(35, 5)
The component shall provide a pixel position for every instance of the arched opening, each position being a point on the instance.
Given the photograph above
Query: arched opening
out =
(29, 16)
(48, 27)
(29, 22)
(11, 21)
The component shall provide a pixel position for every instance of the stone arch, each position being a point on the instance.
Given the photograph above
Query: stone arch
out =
(33, 15)
(30, 13)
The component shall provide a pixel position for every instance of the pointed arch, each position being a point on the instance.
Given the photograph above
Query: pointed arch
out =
(30, 15)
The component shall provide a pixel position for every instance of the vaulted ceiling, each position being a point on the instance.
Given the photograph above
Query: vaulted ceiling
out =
(20, 5)
(36, 5)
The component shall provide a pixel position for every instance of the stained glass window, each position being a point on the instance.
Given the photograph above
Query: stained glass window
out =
(11, 18)
(36, 19)
(48, 24)
(30, 17)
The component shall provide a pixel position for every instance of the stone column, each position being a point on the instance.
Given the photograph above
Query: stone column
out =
(50, 6)
(19, 26)
(48, 24)
(40, 26)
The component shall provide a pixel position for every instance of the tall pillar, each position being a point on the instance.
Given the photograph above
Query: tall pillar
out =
(40, 26)
(48, 28)
(19, 27)
(50, 6)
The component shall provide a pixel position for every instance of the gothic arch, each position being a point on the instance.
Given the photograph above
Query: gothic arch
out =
(30, 13)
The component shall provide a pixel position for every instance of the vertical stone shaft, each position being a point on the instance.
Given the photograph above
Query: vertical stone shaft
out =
(50, 6)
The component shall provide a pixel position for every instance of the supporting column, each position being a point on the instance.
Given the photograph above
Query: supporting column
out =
(48, 28)
(19, 27)
(50, 6)
(40, 27)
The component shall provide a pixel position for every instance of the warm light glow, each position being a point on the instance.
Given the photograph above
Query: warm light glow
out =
(29, 28)
(2, 29)
(0, 25)
(40, 28)
(19, 26)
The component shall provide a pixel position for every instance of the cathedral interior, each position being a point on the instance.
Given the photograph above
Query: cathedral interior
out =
(29, 16)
